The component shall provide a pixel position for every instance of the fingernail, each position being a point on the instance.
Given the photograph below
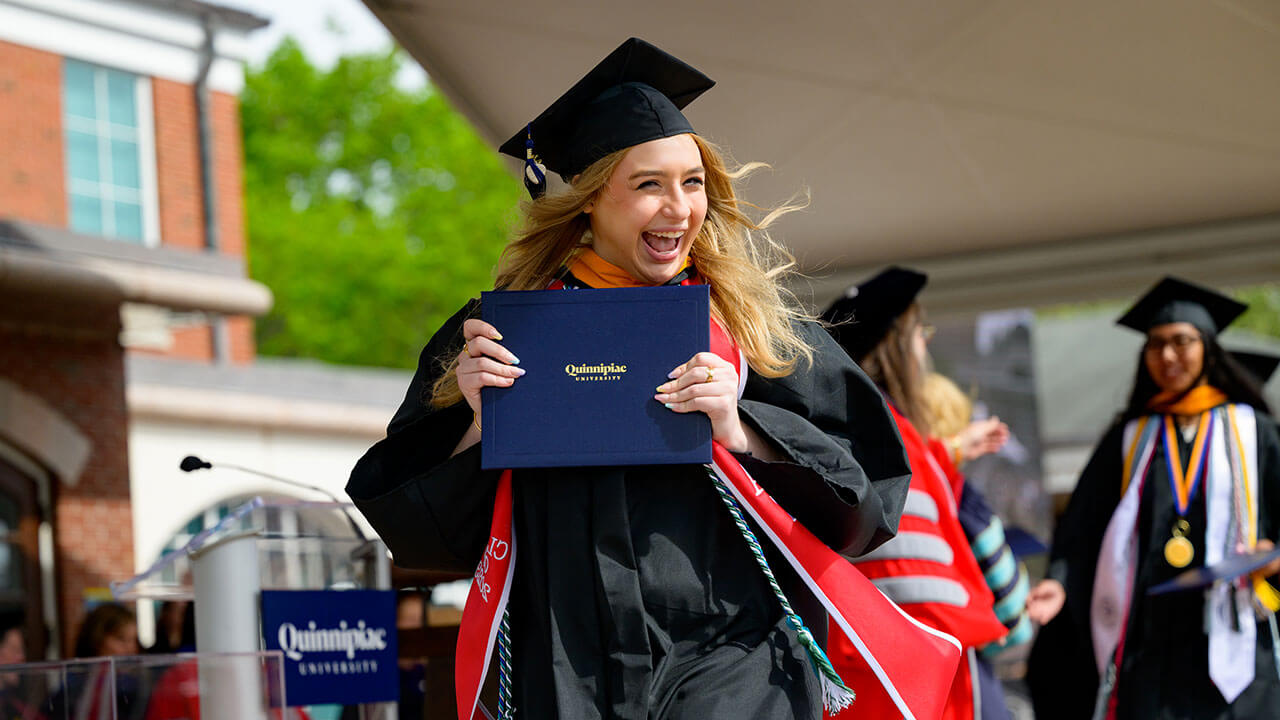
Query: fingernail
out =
(673, 373)
(515, 360)
(496, 335)
(666, 405)
(519, 371)
(662, 387)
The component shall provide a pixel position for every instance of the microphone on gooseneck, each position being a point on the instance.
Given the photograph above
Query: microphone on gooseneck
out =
(191, 463)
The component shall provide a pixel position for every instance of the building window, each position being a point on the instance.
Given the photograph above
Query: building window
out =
(110, 153)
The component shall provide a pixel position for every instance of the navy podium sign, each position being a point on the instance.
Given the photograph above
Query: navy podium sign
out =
(339, 646)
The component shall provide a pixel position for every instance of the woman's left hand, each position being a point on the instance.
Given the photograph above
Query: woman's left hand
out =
(707, 383)
(982, 437)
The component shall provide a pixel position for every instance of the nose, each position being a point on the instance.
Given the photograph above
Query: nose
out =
(1168, 354)
(677, 205)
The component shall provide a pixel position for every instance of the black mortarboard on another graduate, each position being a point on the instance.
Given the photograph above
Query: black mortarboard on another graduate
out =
(1173, 300)
(862, 317)
(1259, 364)
(633, 96)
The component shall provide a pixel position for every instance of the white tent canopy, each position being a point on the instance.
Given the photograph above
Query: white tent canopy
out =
(1022, 152)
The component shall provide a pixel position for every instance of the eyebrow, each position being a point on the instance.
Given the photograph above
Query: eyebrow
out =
(659, 173)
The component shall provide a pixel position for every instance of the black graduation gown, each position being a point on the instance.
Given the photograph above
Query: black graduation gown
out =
(634, 595)
(1165, 669)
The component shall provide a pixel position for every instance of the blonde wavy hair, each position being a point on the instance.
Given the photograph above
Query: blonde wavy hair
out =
(949, 407)
(744, 267)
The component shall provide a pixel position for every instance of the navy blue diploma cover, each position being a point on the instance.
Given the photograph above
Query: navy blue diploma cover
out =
(593, 360)
(1229, 569)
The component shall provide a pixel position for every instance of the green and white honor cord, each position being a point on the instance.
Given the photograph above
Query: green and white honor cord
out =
(836, 696)
(506, 709)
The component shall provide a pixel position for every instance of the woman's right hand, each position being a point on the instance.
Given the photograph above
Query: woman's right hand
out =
(1045, 601)
(483, 362)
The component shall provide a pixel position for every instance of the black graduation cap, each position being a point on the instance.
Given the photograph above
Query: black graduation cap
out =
(861, 319)
(1173, 300)
(1261, 365)
(633, 96)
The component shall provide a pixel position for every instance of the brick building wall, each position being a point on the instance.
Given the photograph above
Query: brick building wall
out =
(178, 165)
(32, 179)
(70, 356)
(33, 173)
(228, 173)
(182, 198)
(229, 180)
(79, 372)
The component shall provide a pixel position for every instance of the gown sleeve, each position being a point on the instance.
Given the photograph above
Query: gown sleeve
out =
(432, 510)
(845, 474)
(1269, 481)
(1061, 675)
(1078, 537)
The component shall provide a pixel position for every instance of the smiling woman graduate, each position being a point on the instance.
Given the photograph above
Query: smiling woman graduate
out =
(634, 593)
(1189, 476)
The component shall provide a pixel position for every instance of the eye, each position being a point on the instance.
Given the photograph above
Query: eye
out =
(695, 181)
(648, 184)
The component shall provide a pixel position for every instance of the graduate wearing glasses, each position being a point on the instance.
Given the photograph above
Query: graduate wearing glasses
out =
(635, 593)
(1188, 477)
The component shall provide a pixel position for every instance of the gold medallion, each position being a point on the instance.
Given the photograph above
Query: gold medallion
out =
(1178, 551)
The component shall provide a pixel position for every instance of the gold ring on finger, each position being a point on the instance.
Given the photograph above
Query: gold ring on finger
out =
(466, 347)
(711, 375)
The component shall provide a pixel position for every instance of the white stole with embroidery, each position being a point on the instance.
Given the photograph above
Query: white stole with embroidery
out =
(1232, 499)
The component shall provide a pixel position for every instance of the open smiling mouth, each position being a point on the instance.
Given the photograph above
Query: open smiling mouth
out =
(663, 246)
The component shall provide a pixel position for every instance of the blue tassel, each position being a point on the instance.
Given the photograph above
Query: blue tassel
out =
(535, 175)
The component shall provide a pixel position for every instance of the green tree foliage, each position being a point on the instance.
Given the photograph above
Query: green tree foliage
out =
(1263, 315)
(374, 212)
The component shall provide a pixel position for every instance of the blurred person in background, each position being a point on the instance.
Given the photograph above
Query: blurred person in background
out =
(109, 630)
(928, 568)
(175, 628)
(13, 647)
(1188, 476)
(14, 705)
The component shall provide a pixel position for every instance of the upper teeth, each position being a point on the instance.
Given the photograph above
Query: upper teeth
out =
(674, 234)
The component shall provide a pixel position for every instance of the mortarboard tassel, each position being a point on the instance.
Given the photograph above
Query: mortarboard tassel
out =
(535, 175)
